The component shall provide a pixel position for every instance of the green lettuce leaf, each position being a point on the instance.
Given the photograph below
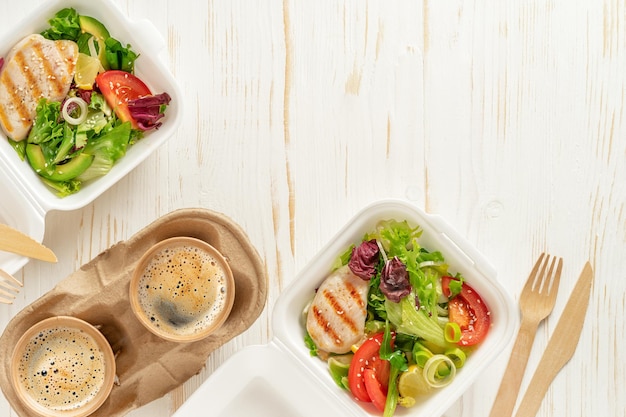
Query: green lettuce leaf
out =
(66, 145)
(106, 149)
(63, 188)
(118, 56)
(46, 126)
(415, 321)
(64, 25)
(19, 147)
(92, 126)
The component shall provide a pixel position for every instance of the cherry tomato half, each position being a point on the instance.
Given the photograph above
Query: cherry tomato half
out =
(469, 311)
(367, 357)
(119, 87)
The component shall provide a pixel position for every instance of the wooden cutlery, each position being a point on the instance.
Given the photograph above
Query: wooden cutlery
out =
(561, 346)
(536, 303)
(14, 241)
(9, 287)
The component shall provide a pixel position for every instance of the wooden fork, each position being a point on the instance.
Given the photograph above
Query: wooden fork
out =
(536, 303)
(9, 287)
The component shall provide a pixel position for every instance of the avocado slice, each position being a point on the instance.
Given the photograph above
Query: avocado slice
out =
(62, 172)
(91, 26)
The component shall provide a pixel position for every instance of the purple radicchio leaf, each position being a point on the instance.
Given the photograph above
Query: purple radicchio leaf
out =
(1, 62)
(394, 280)
(364, 259)
(85, 95)
(147, 111)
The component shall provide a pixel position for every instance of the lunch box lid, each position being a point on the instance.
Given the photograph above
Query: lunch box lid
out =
(262, 381)
(281, 378)
(19, 212)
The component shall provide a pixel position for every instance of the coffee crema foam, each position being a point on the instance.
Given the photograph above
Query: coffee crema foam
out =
(62, 368)
(182, 290)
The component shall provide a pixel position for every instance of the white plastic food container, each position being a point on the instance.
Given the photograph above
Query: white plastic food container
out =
(25, 199)
(282, 379)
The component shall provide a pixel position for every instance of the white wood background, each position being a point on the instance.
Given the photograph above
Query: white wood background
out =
(506, 118)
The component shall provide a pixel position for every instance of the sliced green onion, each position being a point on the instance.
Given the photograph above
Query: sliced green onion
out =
(421, 357)
(457, 356)
(92, 47)
(382, 251)
(441, 311)
(392, 393)
(82, 106)
(452, 332)
(421, 354)
(338, 367)
(439, 371)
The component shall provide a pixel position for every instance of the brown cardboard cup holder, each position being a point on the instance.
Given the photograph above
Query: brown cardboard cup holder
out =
(148, 366)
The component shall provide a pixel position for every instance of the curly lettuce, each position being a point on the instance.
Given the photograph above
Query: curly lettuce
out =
(416, 312)
(64, 25)
(54, 145)
(106, 149)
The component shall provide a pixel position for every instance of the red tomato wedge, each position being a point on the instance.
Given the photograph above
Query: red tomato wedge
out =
(374, 389)
(119, 87)
(469, 311)
(367, 358)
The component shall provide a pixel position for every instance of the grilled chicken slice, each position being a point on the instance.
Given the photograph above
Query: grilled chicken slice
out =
(35, 68)
(336, 318)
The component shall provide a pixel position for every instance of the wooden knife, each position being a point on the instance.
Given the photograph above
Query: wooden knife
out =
(561, 346)
(14, 241)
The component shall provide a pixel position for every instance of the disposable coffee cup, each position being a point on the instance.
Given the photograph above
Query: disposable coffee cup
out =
(62, 367)
(182, 289)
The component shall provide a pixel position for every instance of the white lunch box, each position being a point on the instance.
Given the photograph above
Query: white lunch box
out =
(25, 199)
(282, 379)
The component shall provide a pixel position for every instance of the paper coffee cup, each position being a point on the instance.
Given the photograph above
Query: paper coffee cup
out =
(62, 367)
(182, 289)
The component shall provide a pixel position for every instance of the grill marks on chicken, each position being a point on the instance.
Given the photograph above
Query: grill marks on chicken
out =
(335, 306)
(336, 318)
(35, 68)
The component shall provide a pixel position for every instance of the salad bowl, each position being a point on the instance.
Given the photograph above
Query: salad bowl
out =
(281, 377)
(26, 199)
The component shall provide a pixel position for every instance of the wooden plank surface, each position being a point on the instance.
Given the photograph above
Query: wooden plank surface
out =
(506, 118)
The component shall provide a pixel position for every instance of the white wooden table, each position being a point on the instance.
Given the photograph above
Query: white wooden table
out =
(506, 118)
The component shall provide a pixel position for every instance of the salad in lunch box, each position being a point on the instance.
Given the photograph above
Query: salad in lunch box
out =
(391, 321)
(70, 103)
